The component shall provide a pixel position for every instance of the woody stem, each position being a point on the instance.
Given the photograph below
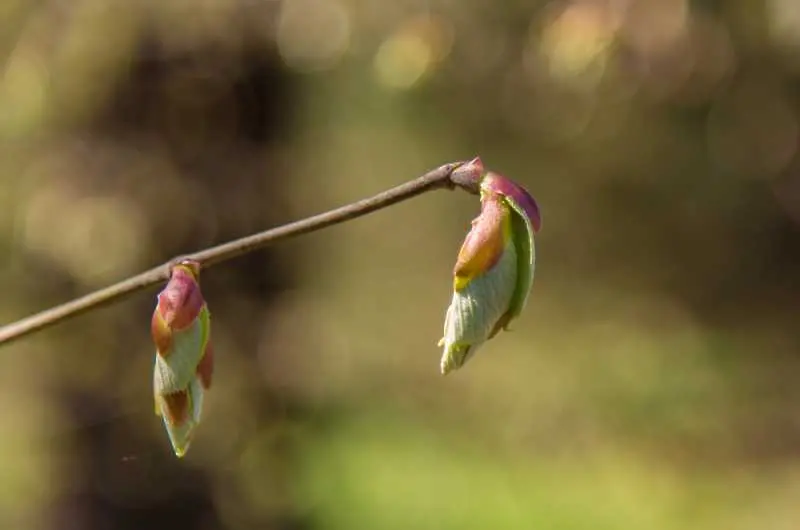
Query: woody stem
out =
(443, 177)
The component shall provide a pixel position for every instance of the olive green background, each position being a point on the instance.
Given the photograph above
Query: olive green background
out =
(651, 383)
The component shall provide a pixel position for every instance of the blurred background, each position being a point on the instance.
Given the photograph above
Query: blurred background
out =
(650, 384)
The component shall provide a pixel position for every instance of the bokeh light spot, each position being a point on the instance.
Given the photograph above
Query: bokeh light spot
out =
(96, 239)
(412, 52)
(577, 44)
(23, 91)
(313, 35)
(783, 18)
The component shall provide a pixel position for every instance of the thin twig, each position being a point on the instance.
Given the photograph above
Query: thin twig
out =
(440, 178)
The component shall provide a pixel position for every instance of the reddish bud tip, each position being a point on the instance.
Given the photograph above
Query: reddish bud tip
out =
(496, 183)
(181, 300)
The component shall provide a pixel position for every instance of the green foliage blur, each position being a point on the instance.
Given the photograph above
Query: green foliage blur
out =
(651, 383)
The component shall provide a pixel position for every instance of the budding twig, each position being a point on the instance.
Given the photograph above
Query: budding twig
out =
(448, 176)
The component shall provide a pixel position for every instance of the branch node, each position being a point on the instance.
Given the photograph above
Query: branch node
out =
(467, 176)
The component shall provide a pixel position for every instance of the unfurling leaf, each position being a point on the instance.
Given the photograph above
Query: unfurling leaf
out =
(494, 270)
(184, 360)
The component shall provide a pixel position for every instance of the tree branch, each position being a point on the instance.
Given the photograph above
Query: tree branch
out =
(444, 177)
